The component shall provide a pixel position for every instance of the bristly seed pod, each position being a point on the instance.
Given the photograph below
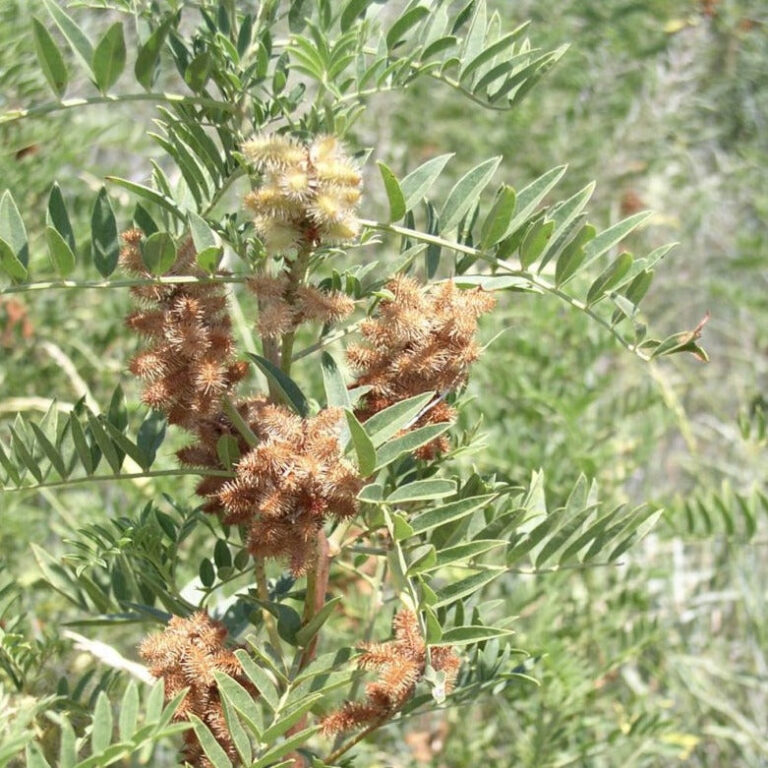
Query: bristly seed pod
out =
(309, 194)
(401, 664)
(423, 340)
(189, 364)
(185, 655)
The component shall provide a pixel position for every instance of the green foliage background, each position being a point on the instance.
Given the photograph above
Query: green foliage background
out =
(660, 661)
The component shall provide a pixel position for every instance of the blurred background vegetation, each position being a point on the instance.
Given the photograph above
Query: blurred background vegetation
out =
(661, 661)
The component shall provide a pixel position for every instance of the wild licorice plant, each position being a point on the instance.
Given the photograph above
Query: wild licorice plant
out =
(331, 494)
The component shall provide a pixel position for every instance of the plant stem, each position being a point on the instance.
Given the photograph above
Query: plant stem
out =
(228, 182)
(326, 341)
(373, 609)
(128, 283)
(296, 275)
(336, 754)
(238, 422)
(317, 584)
(263, 592)
(535, 280)
(58, 106)
(118, 476)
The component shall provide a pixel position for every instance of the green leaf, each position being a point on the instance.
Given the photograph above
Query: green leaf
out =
(12, 229)
(535, 241)
(401, 530)
(197, 73)
(681, 342)
(289, 745)
(105, 443)
(49, 450)
(10, 263)
(67, 746)
(568, 220)
(153, 706)
(421, 490)
(73, 34)
(474, 42)
(202, 235)
(461, 552)
(409, 19)
(242, 701)
(287, 387)
(237, 733)
(465, 193)
(491, 51)
(287, 721)
(472, 634)
(409, 442)
(149, 53)
(209, 259)
(394, 192)
(81, 445)
(34, 757)
(421, 559)
(609, 277)
(572, 257)
(221, 554)
(384, 424)
(447, 513)
(213, 750)
(336, 392)
(58, 218)
(144, 221)
(129, 712)
(529, 197)
(352, 11)
(228, 450)
(613, 235)
(24, 456)
(61, 255)
(151, 435)
(109, 57)
(415, 185)
(50, 58)
(9, 467)
(307, 632)
(497, 222)
(366, 453)
(125, 445)
(206, 572)
(260, 679)
(101, 734)
(106, 248)
(434, 628)
(153, 196)
(372, 493)
(465, 587)
(159, 253)
(297, 15)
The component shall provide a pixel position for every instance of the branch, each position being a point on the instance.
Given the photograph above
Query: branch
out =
(120, 476)
(109, 656)
(128, 283)
(534, 280)
(58, 106)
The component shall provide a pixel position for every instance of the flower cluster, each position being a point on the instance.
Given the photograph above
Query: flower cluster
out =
(423, 340)
(286, 486)
(186, 655)
(189, 363)
(283, 307)
(309, 195)
(402, 663)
